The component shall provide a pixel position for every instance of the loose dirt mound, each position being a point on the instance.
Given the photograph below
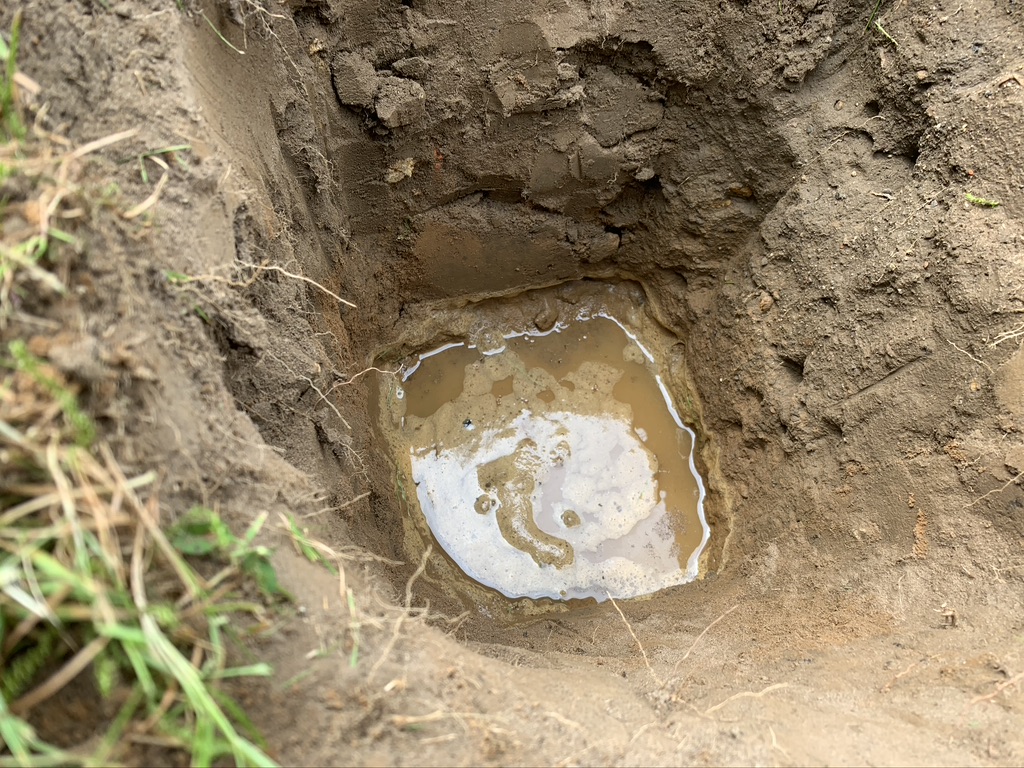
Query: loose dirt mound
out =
(806, 192)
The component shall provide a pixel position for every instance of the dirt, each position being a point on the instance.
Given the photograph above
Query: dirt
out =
(790, 183)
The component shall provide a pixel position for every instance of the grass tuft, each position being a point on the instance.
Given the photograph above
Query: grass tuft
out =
(201, 532)
(80, 547)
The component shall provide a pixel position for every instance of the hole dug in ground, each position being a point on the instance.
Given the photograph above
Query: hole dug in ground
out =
(770, 198)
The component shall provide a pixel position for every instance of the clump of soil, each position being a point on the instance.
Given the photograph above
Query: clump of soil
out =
(805, 193)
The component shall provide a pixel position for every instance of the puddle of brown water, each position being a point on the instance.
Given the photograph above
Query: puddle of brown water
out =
(554, 465)
(437, 382)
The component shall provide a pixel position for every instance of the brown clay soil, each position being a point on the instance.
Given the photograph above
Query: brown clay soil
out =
(788, 183)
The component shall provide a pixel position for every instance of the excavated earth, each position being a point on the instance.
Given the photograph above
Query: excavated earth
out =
(794, 191)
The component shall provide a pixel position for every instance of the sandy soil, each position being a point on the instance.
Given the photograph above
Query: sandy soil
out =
(789, 183)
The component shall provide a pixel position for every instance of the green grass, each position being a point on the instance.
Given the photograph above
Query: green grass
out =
(219, 35)
(201, 532)
(874, 13)
(10, 119)
(876, 22)
(156, 156)
(306, 547)
(84, 431)
(981, 202)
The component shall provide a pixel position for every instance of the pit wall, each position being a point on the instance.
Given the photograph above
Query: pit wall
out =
(427, 157)
(792, 206)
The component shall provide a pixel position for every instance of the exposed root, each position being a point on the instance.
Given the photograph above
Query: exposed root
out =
(465, 719)
(647, 662)
(913, 665)
(259, 268)
(363, 372)
(557, 717)
(401, 617)
(324, 397)
(972, 357)
(775, 744)
(999, 688)
(1014, 333)
(994, 491)
(353, 553)
(294, 276)
(745, 695)
(700, 636)
(339, 508)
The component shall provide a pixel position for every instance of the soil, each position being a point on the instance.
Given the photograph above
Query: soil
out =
(790, 184)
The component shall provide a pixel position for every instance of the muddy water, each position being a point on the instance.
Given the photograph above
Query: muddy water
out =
(553, 465)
